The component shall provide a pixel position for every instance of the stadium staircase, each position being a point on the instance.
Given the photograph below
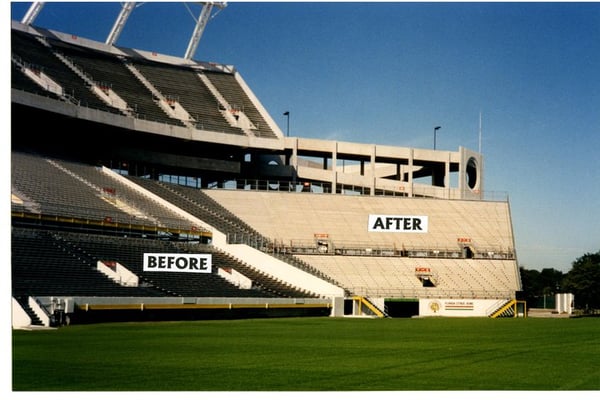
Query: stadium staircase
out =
(364, 301)
(24, 303)
(508, 309)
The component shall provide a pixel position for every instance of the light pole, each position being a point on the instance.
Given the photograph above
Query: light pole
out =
(287, 114)
(434, 135)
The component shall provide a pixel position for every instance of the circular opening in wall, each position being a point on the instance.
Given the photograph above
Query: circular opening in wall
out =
(472, 173)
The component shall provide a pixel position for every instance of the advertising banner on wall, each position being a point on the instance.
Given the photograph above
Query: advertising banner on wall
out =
(398, 223)
(178, 262)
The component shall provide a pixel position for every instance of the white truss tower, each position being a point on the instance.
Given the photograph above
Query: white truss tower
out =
(32, 13)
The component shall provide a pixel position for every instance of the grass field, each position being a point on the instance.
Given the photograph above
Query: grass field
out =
(312, 354)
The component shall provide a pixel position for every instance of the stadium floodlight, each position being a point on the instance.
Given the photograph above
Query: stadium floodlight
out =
(434, 135)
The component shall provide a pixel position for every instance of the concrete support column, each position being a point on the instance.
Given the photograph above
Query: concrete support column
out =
(409, 189)
(294, 157)
(447, 176)
(373, 150)
(334, 168)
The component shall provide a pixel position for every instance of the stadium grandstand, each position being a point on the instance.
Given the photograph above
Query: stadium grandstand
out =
(152, 187)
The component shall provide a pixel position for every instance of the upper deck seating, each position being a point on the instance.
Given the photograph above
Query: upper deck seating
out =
(20, 81)
(229, 87)
(106, 69)
(184, 85)
(32, 52)
(176, 83)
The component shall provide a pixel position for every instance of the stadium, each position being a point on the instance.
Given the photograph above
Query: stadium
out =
(148, 187)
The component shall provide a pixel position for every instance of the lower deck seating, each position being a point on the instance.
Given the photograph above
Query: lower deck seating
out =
(52, 263)
(44, 266)
(401, 277)
(60, 263)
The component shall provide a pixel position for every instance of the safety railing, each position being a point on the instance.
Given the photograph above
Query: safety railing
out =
(343, 248)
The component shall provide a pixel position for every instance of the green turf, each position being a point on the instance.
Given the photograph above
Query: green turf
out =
(312, 354)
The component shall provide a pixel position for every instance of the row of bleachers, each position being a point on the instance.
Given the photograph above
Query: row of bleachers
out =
(176, 82)
(397, 277)
(56, 193)
(145, 208)
(186, 87)
(229, 87)
(32, 52)
(76, 189)
(43, 266)
(75, 185)
(129, 253)
(109, 70)
(61, 263)
(20, 81)
(343, 221)
(72, 189)
(484, 226)
(197, 203)
(266, 283)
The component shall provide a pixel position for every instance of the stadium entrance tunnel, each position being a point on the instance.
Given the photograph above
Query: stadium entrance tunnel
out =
(402, 308)
(468, 252)
(382, 308)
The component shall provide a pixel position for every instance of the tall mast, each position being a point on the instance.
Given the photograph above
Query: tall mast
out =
(200, 26)
(32, 13)
(115, 32)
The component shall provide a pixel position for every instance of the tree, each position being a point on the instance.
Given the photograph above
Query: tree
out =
(539, 286)
(583, 280)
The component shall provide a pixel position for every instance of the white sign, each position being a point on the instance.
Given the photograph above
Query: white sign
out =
(178, 262)
(398, 223)
(456, 307)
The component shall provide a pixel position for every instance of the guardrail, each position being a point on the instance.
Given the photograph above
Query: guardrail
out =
(123, 225)
(342, 248)
(430, 293)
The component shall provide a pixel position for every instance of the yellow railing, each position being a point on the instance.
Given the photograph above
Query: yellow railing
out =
(364, 301)
(511, 305)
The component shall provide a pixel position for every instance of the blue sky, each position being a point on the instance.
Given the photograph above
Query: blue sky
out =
(388, 73)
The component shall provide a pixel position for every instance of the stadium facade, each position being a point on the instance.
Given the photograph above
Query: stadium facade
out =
(148, 186)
